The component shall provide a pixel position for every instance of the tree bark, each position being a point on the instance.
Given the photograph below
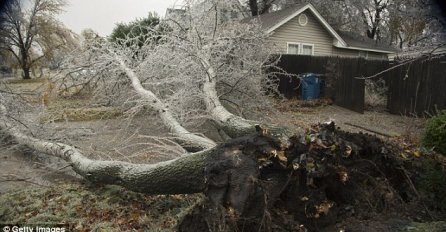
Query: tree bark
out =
(253, 6)
(26, 73)
(233, 125)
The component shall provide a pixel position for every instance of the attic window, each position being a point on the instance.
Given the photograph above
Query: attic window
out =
(303, 19)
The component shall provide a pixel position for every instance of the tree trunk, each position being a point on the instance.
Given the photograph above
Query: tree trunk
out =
(26, 73)
(226, 173)
(253, 6)
(182, 175)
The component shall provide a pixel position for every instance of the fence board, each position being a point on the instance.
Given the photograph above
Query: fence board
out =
(418, 88)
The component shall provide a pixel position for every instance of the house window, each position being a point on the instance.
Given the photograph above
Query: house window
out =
(292, 48)
(307, 49)
(300, 48)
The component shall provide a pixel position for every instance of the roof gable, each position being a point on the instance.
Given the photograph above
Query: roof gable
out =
(272, 21)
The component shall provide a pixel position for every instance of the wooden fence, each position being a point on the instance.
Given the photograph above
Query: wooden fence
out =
(338, 75)
(417, 88)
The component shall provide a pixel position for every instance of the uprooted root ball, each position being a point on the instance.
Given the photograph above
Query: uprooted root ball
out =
(313, 181)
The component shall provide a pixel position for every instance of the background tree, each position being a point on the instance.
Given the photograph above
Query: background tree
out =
(258, 7)
(140, 28)
(405, 26)
(31, 33)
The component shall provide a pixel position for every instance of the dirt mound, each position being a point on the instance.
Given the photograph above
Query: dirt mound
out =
(323, 180)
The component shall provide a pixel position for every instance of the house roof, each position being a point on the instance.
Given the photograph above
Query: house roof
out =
(354, 41)
(272, 21)
(269, 20)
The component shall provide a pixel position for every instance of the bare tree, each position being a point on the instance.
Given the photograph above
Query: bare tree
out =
(31, 35)
(257, 7)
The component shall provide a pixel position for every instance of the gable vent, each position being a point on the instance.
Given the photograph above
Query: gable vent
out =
(303, 19)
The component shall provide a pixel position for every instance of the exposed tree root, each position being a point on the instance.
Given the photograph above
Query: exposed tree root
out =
(319, 179)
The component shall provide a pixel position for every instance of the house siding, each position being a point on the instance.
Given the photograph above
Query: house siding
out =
(312, 33)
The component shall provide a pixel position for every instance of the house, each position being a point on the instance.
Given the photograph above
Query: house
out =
(300, 29)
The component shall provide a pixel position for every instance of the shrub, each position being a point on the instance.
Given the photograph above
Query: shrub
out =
(435, 133)
(432, 185)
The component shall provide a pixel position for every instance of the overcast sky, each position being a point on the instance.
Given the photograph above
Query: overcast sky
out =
(102, 15)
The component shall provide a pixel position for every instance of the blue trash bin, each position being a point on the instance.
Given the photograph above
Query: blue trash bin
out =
(310, 86)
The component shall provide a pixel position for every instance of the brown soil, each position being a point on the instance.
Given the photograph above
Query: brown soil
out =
(325, 180)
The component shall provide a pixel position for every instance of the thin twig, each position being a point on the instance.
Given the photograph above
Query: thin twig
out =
(367, 129)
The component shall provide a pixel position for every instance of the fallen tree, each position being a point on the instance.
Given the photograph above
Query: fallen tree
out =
(263, 183)
(185, 74)
(262, 177)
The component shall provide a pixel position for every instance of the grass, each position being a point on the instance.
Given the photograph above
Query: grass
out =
(77, 110)
(23, 81)
(108, 208)
(25, 86)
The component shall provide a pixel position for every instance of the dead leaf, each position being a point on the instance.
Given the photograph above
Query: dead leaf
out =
(348, 151)
(343, 176)
(403, 155)
(324, 207)
(296, 166)
(281, 156)
(417, 153)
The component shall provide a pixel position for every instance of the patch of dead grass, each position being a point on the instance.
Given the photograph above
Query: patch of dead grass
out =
(77, 110)
(108, 208)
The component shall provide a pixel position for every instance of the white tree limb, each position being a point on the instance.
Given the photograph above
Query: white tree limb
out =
(233, 125)
(182, 175)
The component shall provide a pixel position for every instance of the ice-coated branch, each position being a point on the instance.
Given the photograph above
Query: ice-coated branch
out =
(182, 175)
(188, 140)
